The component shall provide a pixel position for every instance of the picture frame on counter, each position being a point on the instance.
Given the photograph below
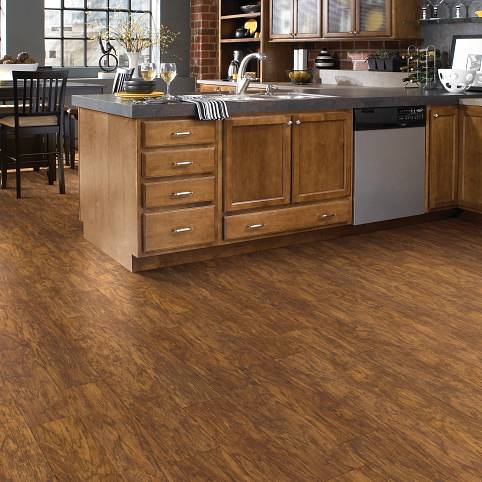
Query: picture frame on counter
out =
(466, 54)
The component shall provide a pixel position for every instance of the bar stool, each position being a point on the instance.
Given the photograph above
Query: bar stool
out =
(73, 114)
(39, 99)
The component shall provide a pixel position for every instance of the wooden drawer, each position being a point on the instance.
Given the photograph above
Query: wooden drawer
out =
(178, 162)
(178, 229)
(182, 191)
(178, 133)
(281, 220)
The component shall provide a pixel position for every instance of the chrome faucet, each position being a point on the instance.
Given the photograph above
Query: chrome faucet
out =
(243, 80)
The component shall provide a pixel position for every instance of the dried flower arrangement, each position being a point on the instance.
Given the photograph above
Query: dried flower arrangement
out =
(136, 35)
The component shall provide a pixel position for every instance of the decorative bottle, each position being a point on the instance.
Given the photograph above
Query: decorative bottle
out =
(234, 66)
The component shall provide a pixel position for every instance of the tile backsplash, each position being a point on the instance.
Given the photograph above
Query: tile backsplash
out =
(351, 54)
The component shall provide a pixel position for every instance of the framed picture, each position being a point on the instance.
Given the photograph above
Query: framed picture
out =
(467, 54)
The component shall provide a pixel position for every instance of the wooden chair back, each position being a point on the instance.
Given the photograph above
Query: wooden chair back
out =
(38, 94)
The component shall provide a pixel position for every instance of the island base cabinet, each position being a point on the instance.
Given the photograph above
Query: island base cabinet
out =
(470, 170)
(173, 230)
(283, 220)
(322, 156)
(257, 162)
(442, 156)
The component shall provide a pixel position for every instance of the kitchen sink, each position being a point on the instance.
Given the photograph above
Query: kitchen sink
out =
(266, 97)
(288, 96)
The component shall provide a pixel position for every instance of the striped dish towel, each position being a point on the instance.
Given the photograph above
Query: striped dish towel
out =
(208, 107)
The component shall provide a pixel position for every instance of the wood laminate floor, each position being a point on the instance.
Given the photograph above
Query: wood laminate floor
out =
(350, 360)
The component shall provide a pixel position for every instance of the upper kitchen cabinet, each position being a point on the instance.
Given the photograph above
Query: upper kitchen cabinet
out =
(339, 18)
(295, 19)
(371, 18)
(353, 18)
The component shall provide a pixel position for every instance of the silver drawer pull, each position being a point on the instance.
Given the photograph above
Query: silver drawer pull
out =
(181, 134)
(182, 194)
(327, 216)
(182, 164)
(255, 226)
(182, 230)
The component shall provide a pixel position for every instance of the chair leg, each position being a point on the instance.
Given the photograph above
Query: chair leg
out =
(72, 141)
(18, 179)
(67, 141)
(17, 165)
(4, 174)
(60, 163)
(3, 137)
(52, 172)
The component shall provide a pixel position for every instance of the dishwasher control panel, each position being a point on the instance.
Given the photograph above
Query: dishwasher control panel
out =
(411, 115)
(389, 118)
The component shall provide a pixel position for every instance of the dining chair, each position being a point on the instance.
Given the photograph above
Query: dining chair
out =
(39, 99)
(73, 114)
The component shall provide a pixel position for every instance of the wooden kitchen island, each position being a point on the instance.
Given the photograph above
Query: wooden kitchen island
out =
(159, 187)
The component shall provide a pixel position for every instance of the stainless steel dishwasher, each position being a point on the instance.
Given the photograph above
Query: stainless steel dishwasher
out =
(389, 164)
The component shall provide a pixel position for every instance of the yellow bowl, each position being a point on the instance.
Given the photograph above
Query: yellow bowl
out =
(300, 76)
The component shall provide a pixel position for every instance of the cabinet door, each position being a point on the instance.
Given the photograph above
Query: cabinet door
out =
(282, 18)
(374, 18)
(442, 152)
(470, 186)
(308, 18)
(257, 162)
(339, 18)
(322, 156)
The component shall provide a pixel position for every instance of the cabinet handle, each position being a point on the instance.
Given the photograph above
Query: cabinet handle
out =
(181, 134)
(298, 122)
(355, 32)
(327, 216)
(182, 194)
(255, 226)
(290, 123)
(436, 116)
(182, 230)
(182, 164)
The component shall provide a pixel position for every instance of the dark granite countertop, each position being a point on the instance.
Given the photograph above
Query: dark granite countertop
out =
(338, 97)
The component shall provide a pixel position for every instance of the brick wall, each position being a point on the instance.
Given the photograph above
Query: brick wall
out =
(204, 39)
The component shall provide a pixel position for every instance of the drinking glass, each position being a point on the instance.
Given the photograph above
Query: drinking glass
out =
(148, 70)
(168, 73)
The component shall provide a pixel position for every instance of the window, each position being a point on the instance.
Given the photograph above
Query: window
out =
(71, 24)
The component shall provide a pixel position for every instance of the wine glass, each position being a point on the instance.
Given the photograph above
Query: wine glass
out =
(148, 70)
(168, 73)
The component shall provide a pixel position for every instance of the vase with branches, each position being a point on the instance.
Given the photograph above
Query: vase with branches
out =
(136, 35)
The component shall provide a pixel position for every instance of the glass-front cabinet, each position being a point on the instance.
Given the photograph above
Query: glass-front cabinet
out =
(282, 18)
(357, 18)
(295, 19)
(307, 19)
(340, 19)
(373, 18)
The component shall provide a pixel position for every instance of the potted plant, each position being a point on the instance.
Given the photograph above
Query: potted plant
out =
(393, 63)
(372, 62)
(382, 55)
(136, 35)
